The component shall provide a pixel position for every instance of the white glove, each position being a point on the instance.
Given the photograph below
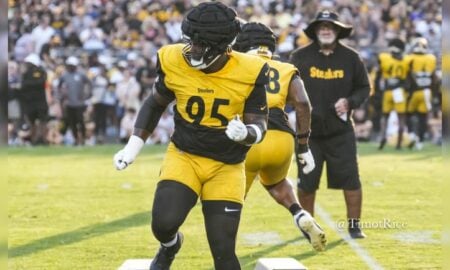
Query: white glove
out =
(236, 130)
(307, 160)
(128, 154)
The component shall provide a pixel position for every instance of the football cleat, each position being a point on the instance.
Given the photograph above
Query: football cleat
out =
(166, 255)
(311, 230)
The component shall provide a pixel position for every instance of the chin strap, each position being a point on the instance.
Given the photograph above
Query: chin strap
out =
(200, 64)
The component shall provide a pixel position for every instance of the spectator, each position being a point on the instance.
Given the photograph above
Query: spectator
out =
(34, 98)
(127, 92)
(127, 124)
(145, 75)
(42, 33)
(98, 100)
(164, 129)
(24, 45)
(73, 86)
(155, 23)
(363, 126)
(92, 38)
(14, 110)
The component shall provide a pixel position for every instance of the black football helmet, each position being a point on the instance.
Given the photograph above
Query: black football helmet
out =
(214, 26)
(253, 36)
(396, 46)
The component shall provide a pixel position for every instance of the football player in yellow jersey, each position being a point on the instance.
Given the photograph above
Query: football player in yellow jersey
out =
(271, 159)
(391, 77)
(423, 83)
(214, 87)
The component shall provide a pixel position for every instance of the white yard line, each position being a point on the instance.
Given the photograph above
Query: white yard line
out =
(362, 253)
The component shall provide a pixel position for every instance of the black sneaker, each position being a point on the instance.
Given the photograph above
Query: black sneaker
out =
(354, 229)
(166, 255)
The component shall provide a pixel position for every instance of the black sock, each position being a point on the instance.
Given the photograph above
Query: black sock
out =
(295, 208)
(353, 223)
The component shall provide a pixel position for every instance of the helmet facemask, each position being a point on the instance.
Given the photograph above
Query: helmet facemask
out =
(203, 55)
(396, 47)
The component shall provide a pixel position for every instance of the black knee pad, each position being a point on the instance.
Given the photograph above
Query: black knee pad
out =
(171, 205)
(222, 223)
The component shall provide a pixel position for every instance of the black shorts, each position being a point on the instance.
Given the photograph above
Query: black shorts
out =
(35, 112)
(339, 153)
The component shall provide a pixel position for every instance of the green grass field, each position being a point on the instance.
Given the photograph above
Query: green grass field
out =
(68, 208)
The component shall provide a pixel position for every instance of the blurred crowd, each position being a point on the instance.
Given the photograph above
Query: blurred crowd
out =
(98, 57)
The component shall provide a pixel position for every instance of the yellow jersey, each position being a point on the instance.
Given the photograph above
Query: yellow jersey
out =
(280, 76)
(394, 71)
(422, 68)
(205, 102)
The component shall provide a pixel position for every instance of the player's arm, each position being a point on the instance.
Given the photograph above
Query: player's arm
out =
(147, 119)
(254, 125)
(298, 98)
(149, 115)
(410, 80)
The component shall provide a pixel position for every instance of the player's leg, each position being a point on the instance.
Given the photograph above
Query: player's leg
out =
(171, 205)
(386, 107)
(400, 108)
(411, 109)
(222, 198)
(283, 193)
(275, 158)
(423, 109)
(307, 199)
(176, 194)
(383, 129)
(253, 165)
(423, 119)
(401, 129)
(222, 223)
